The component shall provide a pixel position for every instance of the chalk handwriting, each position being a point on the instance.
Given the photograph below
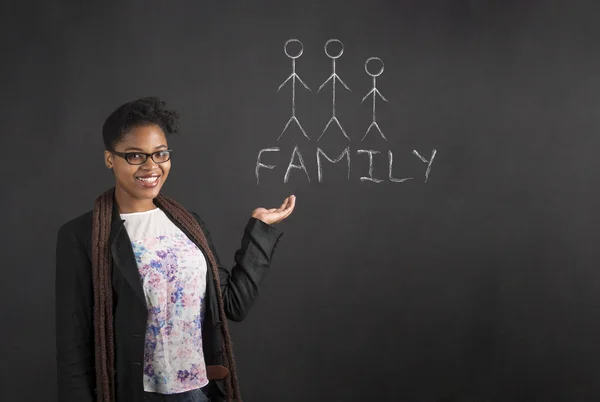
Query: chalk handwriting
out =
(430, 161)
(339, 158)
(259, 164)
(291, 165)
(320, 154)
(393, 179)
(370, 177)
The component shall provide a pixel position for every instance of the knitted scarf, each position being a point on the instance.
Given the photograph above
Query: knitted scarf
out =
(103, 300)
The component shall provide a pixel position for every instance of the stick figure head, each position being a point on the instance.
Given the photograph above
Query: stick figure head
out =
(285, 48)
(335, 43)
(373, 61)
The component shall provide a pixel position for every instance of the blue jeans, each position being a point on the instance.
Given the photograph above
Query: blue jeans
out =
(195, 395)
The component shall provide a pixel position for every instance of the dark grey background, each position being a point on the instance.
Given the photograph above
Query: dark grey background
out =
(479, 285)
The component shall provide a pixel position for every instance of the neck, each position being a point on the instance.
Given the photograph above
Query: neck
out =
(127, 204)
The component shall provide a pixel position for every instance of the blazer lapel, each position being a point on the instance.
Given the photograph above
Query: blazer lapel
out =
(122, 254)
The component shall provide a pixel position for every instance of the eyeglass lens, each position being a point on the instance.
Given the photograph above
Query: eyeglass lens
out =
(138, 159)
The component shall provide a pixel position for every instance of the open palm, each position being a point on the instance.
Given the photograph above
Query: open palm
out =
(276, 215)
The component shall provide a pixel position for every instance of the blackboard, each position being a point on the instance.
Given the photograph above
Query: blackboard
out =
(475, 283)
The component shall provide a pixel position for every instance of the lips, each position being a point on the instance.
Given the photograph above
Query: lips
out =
(148, 181)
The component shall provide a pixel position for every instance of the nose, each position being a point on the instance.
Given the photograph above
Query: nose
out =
(149, 164)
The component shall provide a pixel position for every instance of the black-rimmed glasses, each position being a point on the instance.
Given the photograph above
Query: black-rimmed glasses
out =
(139, 158)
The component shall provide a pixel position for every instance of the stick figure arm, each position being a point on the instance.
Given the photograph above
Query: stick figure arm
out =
(302, 82)
(323, 84)
(379, 93)
(342, 82)
(367, 95)
(284, 82)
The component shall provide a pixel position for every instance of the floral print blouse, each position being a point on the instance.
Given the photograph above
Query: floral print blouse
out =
(173, 273)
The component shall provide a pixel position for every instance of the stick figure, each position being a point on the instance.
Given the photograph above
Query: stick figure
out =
(293, 77)
(375, 92)
(333, 77)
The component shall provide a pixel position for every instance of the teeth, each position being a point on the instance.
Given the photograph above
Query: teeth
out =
(148, 180)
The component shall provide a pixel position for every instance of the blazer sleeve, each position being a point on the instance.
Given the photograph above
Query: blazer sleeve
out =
(239, 285)
(74, 320)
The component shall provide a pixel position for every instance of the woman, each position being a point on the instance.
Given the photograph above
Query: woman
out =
(142, 302)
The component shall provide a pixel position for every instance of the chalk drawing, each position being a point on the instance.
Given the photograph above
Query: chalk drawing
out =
(293, 76)
(371, 152)
(393, 179)
(339, 158)
(430, 161)
(291, 165)
(259, 164)
(375, 92)
(333, 77)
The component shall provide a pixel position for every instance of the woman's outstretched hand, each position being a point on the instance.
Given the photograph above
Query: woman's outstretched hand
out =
(276, 215)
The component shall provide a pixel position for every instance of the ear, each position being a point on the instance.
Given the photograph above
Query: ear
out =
(108, 159)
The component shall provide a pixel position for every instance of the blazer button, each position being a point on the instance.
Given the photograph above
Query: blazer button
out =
(218, 325)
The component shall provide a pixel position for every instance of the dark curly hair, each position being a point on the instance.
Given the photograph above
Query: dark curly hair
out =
(139, 112)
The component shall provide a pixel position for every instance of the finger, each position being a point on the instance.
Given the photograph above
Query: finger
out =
(285, 202)
(282, 213)
(290, 204)
(289, 209)
(274, 217)
(282, 206)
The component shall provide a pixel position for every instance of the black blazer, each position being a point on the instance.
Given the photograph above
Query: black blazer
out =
(74, 305)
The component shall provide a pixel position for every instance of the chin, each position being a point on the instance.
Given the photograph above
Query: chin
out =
(154, 192)
(147, 194)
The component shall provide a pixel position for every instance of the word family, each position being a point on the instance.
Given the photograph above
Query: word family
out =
(297, 162)
(334, 49)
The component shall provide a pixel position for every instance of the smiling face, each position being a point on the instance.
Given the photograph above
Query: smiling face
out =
(137, 185)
